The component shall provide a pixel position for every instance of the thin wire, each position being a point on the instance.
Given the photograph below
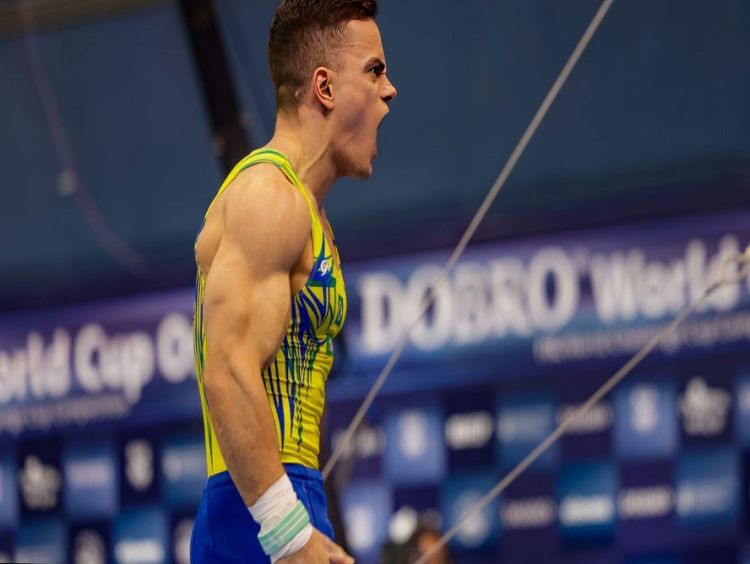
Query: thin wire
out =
(736, 269)
(470, 231)
(117, 248)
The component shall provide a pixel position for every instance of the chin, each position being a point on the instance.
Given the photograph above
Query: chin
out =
(362, 172)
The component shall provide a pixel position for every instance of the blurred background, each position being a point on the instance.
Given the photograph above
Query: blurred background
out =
(118, 120)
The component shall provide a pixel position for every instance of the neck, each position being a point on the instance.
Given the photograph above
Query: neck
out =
(304, 139)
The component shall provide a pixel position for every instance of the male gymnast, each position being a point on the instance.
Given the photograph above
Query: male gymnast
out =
(270, 296)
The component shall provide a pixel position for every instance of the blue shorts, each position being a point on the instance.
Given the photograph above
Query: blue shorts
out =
(224, 531)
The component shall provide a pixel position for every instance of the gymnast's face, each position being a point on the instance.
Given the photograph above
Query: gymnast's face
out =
(361, 93)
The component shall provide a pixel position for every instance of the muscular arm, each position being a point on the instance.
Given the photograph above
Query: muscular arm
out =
(246, 311)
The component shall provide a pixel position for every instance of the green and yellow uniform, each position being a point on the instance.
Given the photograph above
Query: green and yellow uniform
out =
(295, 380)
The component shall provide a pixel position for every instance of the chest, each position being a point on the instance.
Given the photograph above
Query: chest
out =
(319, 305)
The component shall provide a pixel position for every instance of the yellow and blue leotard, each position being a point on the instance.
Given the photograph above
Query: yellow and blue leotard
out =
(295, 380)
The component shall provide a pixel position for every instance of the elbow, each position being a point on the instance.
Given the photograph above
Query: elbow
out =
(229, 377)
(215, 385)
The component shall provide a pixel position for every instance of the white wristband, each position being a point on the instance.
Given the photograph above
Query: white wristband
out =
(284, 521)
(295, 544)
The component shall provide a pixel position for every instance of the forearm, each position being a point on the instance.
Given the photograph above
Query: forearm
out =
(245, 430)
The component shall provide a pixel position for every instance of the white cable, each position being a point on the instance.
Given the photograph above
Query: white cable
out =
(735, 270)
(469, 233)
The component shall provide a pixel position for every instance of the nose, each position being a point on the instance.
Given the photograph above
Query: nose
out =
(388, 91)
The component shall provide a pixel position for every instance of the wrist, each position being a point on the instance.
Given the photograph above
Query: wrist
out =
(284, 521)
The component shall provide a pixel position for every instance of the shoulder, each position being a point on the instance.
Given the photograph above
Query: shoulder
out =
(265, 213)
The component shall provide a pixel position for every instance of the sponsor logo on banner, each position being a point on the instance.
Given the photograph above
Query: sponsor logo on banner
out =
(412, 437)
(523, 423)
(598, 419)
(141, 536)
(742, 411)
(40, 484)
(476, 528)
(704, 408)
(89, 548)
(8, 496)
(644, 414)
(415, 450)
(708, 489)
(648, 502)
(367, 507)
(368, 442)
(41, 540)
(139, 464)
(183, 467)
(645, 420)
(468, 430)
(402, 524)
(528, 513)
(587, 501)
(181, 540)
(461, 493)
(90, 480)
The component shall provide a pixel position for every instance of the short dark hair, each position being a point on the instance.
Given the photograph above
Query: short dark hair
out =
(305, 34)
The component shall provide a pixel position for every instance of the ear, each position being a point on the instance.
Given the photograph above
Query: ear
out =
(323, 87)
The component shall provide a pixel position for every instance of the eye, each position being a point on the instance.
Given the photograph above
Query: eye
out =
(376, 70)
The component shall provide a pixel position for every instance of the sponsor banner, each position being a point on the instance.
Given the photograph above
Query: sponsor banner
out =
(414, 504)
(646, 505)
(183, 470)
(580, 297)
(591, 555)
(182, 528)
(590, 436)
(587, 501)
(529, 505)
(367, 447)
(708, 490)
(704, 405)
(469, 429)
(522, 423)
(89, 543)
(139, 480)
(41, 539)
(367, 507)
(588, 297)
(528, 519)
(415, 451)
(40, 477)
(90, 479)
(461, 493)
(6, 546)
(712, 554)
(742, 407)
(130, 358)
(8, 491)
(656, 559)
(141, 536)
(645, 420)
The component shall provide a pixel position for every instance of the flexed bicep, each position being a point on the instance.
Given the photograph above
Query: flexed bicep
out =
(245, 314)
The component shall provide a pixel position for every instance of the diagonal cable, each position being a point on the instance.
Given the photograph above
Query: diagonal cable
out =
(470, 231)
